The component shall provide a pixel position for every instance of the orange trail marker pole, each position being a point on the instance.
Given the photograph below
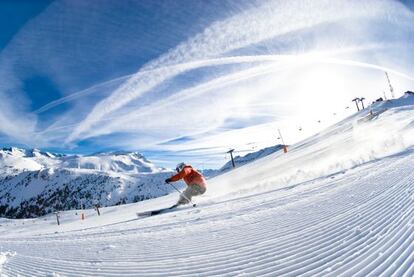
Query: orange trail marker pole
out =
(285, 149)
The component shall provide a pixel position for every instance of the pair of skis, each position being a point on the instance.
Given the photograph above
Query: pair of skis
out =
(155, 212)
(159, 211)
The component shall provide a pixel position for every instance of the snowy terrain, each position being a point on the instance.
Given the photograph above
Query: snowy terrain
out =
(34, 183)
(13, 159)
(340, 203)
(242, 160)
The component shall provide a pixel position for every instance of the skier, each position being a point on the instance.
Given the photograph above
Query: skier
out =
(196, 183)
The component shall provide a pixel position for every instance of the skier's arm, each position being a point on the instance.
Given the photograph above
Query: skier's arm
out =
(180, 175)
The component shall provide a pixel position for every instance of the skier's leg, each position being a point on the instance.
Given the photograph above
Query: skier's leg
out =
(189, 192)
(185, 196)
(198, 190)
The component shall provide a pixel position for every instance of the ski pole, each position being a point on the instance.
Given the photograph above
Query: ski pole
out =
(182, 194)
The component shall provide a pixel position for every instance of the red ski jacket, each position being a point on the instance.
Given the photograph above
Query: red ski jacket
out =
(190, 176)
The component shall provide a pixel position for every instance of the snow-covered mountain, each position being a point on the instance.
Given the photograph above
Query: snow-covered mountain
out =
(242, 160)
(250, 157)
(33, 159)
(126, 162)
(340, 203)
(14, 160)
(34, 183)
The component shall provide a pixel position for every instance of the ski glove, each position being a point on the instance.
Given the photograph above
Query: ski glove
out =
(168, 180)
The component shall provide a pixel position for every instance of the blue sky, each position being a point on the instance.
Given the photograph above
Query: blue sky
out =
(186, 80)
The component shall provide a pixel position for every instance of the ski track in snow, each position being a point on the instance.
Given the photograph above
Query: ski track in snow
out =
(351, 224)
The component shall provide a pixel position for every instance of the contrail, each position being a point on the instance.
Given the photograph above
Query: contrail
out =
(250, 27)
(220, 61)
(79, 94)
(122, 120)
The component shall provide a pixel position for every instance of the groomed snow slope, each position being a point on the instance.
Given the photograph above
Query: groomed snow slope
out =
(339, 204)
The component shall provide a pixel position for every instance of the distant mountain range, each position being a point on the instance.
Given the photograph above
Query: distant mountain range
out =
(34, 183)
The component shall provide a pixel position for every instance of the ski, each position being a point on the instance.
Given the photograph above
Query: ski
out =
(155, 212)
